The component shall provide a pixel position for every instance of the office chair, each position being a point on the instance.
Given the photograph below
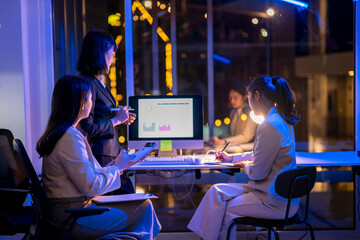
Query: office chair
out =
(290, 184)
(44, 227)
(14, 187)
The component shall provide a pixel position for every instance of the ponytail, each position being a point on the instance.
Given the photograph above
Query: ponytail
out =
(277, 92)
(285, 100)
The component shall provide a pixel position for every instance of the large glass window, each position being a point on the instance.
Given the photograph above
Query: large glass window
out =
(310, 45)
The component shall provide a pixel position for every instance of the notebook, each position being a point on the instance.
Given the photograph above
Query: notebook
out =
(122, 198)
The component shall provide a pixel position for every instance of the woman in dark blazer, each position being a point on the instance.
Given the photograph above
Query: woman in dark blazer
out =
(96, 56)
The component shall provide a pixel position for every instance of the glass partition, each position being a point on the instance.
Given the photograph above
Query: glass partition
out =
(309, 43)
(311, 47)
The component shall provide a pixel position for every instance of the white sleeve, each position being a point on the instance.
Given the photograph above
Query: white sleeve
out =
(248, 156)
(267, 145)
(80, 167)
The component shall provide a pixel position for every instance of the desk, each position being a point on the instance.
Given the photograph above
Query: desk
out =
(179, 197)
(328, 159)
(180, 167)
(230, 170)
(325, 159)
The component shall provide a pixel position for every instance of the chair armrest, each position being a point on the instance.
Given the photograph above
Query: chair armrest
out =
(14, 190)
(83, 212)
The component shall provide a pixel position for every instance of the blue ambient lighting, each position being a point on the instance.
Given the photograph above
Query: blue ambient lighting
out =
(298, 3)
(221, 59)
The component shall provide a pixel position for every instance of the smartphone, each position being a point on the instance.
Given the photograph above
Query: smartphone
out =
(150, 144)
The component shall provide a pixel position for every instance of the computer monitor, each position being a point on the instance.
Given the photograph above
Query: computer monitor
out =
(175, 120)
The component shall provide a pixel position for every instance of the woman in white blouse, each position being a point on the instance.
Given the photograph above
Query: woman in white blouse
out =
(71, 175)
(274, 152)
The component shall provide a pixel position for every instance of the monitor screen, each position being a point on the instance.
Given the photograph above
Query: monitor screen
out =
(178, 118)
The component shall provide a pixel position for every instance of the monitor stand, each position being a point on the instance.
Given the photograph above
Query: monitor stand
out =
(172, 153)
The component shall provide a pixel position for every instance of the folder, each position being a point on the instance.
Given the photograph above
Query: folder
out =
(122, 198)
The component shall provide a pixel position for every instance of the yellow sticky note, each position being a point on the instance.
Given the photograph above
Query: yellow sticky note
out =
(165, 145)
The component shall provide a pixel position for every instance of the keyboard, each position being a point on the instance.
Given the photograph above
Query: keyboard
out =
(178, 160)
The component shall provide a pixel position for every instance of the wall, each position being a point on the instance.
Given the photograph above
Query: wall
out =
(26, 69)
(12, 108)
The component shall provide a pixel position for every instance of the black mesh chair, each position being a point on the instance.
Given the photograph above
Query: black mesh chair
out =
(44, 227)
(290, 184)
(14, 187)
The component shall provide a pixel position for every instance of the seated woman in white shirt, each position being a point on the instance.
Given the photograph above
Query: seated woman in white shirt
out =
(71, 175)
(242, 127)
(274, 152)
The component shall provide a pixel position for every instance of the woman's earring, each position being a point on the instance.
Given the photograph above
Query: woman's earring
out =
(83, 107)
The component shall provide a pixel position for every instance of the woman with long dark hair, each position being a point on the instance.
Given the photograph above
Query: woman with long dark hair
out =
(274, 153)
(72, 176)
(96, 56)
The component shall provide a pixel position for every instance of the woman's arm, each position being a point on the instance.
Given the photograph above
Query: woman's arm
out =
(73, 153)
(267, 145)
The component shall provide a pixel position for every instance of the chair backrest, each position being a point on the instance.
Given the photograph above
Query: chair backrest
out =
(39, 199)
(295, 183)
(12, 172)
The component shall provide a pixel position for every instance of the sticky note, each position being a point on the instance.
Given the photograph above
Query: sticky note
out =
(165, 145)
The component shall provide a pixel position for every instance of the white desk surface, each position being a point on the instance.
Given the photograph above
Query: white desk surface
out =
(178, 167)
(346, 158)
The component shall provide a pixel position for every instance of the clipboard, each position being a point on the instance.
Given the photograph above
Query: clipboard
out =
(122, 198)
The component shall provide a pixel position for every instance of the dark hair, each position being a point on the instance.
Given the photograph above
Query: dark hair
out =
(277, 91)
(239, 87)
(92, 56)
(68, 97)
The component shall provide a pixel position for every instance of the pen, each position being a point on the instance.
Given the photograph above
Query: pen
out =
(117, 109)
(227, 144)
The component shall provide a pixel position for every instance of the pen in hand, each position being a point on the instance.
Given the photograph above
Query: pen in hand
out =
(227, 144)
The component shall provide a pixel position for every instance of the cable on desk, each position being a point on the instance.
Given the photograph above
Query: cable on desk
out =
(208, 152)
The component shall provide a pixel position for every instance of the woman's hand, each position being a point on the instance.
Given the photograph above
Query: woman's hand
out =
(217, 141)
(124, 160)
(223, 156)
(131, 119)
(122, 115)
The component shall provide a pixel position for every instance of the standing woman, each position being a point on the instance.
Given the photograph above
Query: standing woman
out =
(242, 127)
(274, 153)
(72, 176)
(97, 53)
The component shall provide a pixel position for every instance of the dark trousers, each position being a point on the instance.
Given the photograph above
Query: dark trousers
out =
(126, 184)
